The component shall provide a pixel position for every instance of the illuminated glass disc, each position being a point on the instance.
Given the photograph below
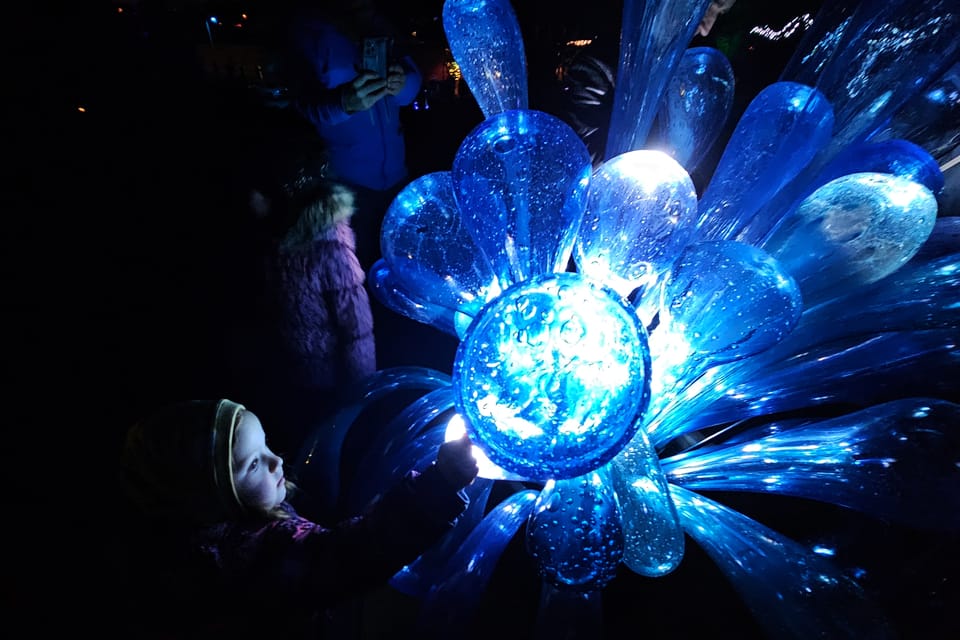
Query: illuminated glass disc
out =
(552, 375)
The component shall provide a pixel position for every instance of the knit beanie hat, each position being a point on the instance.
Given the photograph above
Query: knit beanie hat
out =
(177, 464)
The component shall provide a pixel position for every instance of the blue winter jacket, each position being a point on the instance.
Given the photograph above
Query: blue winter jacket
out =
(366, 149)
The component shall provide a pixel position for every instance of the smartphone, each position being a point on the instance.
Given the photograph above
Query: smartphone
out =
(375, 55)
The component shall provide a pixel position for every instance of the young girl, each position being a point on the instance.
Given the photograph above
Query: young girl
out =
(222, 550)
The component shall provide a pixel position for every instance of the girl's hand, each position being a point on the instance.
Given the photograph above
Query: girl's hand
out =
(456, 462)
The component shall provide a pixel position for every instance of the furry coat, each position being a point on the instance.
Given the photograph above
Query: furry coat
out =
(324, 318)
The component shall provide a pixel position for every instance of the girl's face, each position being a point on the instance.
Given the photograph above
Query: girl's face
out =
(257, 471)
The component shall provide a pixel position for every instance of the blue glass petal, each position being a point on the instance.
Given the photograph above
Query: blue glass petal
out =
(930, 119)
(641, 212)
(317, 463)
(780, 131)
(381, 464)
(653, 543)
(792, 592)
(395, 296)
(695, 106)
(454, 597)
(574, 533)
(521, 180)
(430, 253)
(898, 157)
(896, 461)
(653, 36)
(485, 40)
(551, 375)
(852, 231)
(722, 301)
(879, 58)
(417, 578)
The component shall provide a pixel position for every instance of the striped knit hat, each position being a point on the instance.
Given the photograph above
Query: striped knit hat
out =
(178, 463)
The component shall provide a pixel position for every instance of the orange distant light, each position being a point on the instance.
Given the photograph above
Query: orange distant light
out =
(82, 109)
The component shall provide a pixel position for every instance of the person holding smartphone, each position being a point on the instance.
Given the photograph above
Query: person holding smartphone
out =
(355, 109)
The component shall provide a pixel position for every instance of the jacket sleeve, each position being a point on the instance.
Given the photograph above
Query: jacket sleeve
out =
(321, 106)
(321, 565)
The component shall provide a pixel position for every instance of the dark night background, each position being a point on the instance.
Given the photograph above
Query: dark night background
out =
(120, 288)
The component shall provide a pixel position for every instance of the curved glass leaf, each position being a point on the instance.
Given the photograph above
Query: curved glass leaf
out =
(454, 597)
(395, 296)
(852, 231)
(896, 461)
(653, 543)
(793, 592)
(428, 250)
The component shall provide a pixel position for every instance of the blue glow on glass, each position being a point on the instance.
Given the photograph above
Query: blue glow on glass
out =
(452, 599)
(551, 377)
(897, 461)
(695, 106)
(930, 119)
(641, 211)
(885, 54)
(521, 180)
(814, 193)
(653, 537)
(486, 42)
(781, 130)
(413, 304)
(792, 592)
(852, 231)
(898, 157)
(575, 534)
(722, 301)
(429, 251)
(653, 37)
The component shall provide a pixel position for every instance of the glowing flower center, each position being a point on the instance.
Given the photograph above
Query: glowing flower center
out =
(552, 375)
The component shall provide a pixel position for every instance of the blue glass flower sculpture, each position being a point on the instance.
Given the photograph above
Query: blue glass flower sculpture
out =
(626, 345)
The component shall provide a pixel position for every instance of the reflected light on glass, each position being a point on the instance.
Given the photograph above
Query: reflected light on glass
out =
(641, 212)
(722, 301)
(521, 180)
(486, 42)
(853, 231)
(455, 430)
(429, 250)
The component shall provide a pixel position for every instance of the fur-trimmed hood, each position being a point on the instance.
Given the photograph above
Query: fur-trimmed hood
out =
(329, 204)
